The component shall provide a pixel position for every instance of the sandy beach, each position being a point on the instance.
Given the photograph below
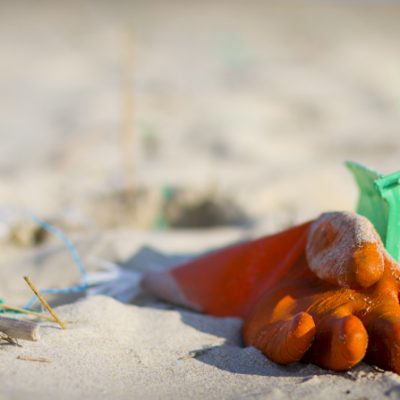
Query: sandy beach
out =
(243, 115)
(116, 351)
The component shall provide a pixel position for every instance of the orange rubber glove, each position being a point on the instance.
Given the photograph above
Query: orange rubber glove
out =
(325, 292)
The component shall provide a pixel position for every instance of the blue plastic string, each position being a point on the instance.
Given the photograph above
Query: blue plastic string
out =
(74, 255)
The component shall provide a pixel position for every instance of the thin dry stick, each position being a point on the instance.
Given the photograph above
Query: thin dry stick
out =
(45, 303)
(29, 312)
(30, 358)
(127, 115)
(9, 339)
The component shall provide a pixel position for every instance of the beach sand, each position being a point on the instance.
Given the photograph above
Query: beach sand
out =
(117, 351)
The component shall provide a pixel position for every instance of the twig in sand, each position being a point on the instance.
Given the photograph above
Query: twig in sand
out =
(127, 115)
(29, 312)
(45, 303)
(9, 339)
(26, 330)
(30, 358)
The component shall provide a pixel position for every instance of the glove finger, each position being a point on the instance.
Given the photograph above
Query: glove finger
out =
(339, 344)
(383, 326)
(284, 341)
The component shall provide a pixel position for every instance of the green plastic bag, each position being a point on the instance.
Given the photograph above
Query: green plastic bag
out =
(379, 201)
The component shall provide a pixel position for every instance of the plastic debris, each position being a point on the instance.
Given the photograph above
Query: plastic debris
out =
(379, 201)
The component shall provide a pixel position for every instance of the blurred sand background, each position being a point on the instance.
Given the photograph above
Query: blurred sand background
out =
(126, 123)
(262, 100)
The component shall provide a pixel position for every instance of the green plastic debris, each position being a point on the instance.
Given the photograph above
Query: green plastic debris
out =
(160, 221)
(370, 202)
(379, 201)
(389, 188)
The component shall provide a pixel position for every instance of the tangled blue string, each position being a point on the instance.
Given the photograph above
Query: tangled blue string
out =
(74, 255)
